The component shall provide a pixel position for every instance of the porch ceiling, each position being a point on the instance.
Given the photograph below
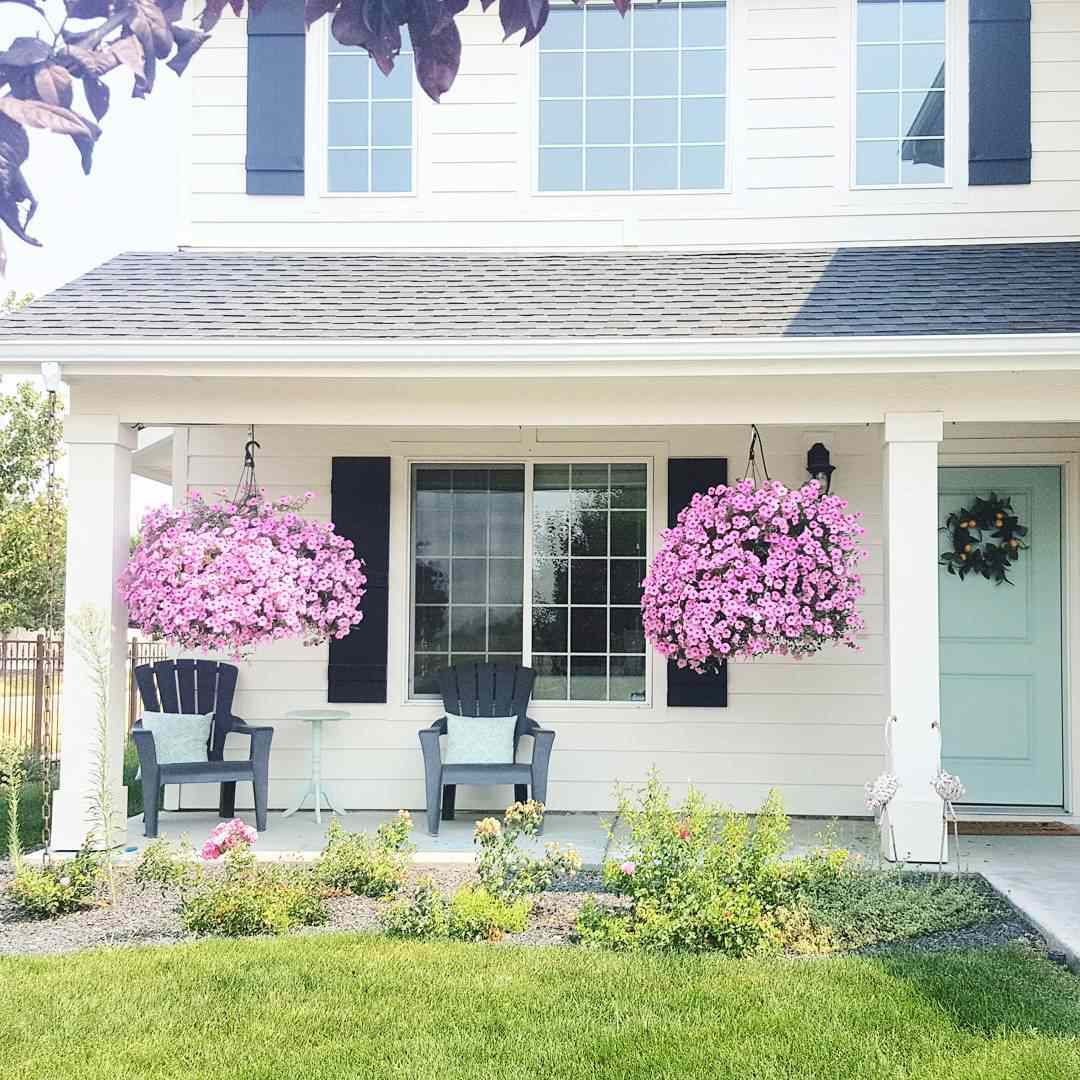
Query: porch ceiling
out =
(250, 297)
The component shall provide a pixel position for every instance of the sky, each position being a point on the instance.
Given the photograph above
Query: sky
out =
(129, 202)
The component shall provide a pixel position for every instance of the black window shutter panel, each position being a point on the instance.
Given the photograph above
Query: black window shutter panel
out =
(360, 510)
(275, 99)
(999, 35)
(686, 476)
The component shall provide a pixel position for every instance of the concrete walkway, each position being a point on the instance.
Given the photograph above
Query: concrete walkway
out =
(1039, 875)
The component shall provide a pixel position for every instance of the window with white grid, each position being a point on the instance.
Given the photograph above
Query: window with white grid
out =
(368, 121)
(544, 564)
(900, 93)
(634, 103)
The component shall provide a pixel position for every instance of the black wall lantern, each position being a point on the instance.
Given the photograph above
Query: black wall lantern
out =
(818, 465)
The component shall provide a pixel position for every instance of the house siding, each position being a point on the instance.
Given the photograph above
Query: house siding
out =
(811, 728)
(790, 157)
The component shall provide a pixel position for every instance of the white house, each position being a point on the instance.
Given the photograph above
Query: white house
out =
(593, 265)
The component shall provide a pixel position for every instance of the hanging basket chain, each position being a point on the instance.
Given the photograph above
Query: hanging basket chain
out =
(756, 447)
(52, 571)
(247, 488)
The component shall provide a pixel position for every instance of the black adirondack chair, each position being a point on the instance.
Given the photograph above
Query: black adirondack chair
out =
(199, 686)
(478, 689)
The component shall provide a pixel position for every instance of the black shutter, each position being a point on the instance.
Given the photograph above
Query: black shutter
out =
(360, 509)
(999, 35)
(275, 99)
(686, 476)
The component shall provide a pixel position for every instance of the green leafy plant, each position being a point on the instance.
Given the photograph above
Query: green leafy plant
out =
(57, 888)
(13, 769)
(356, 862)
(698, 877)
(471, 914)
(506, 870)
(244, 899)
(90, 635)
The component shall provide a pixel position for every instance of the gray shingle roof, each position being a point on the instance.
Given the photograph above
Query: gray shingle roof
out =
(444, 296)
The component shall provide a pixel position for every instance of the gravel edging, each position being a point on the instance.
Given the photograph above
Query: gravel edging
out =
(145, 917)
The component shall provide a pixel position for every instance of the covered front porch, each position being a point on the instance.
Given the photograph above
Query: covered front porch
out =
(817, 730)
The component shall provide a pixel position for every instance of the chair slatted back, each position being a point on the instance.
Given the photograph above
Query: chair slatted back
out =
(191, 686)
(483, 689)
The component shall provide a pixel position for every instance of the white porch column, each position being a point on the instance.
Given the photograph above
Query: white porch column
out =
(913, 819)
(99, 491)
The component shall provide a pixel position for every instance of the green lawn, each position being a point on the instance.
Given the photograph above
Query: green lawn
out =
(353, 1006)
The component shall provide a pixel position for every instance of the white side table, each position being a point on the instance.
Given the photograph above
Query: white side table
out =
(315, 718)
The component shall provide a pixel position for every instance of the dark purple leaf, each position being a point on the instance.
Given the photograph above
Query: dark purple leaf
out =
(314, 10)
(97, 96)
(24, 52)
(53, 84)
(371, 25)
(211, 14)
(527, 15)
(188, 43)
(622, 6)
(88, 9)
(14, 147)
(437, 60)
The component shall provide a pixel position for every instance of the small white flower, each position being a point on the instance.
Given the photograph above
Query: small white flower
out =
(948, 786)
(880, 792)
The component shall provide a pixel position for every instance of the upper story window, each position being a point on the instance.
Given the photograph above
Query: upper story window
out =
(636, 103)
(368, 121)
(900, 93)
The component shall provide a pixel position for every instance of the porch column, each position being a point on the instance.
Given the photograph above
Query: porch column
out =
(99, 452)
(911, 828)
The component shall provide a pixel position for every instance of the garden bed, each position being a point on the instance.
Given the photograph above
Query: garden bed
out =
(143, 916)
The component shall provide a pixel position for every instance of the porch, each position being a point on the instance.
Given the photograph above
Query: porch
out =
(816, 729)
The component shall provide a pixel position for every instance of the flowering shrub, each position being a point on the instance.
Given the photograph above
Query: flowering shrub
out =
(751, 571)
(244, 899)
(354, 862)
(225, 837)
(230, 577)
(60, 888)
(471, 914)
(508, 872)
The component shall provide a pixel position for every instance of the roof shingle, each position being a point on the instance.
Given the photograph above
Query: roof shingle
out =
(469, 296)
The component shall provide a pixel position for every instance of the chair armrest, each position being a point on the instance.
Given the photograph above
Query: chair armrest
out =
(261, 737)
(534, 729)
(429, 745)
(144, 744)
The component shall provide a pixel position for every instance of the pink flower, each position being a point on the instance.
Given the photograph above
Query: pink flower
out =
(752, 571)
(223, 577)
(629, 868)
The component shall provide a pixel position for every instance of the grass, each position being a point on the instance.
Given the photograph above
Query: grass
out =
(343, 1006)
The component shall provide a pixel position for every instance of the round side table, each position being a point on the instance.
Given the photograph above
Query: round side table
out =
(315, 718)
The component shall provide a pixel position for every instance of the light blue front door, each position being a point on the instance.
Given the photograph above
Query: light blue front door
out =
(1001, 683)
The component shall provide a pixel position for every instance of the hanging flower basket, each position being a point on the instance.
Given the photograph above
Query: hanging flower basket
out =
(755, 570)
(232, 575)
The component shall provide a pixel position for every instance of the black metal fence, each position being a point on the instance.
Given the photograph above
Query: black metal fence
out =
(31, 689)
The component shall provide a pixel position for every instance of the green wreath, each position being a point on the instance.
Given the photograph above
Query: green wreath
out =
(985, 539)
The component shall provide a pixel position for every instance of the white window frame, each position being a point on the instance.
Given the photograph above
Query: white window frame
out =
(950, 142)
(497, 460)
(318, 123)
(534, 140)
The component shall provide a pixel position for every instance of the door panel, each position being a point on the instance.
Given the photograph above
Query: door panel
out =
(1001, 680)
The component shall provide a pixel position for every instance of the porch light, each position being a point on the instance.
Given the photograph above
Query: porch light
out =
(818, 465)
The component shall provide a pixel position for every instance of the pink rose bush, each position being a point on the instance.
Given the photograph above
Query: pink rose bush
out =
(227, 836)
(751, 571)
(229, 577)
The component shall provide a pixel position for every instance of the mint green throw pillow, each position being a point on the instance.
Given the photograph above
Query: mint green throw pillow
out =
(179, 738)
(479, 740)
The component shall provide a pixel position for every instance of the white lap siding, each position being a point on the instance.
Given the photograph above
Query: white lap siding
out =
(811, 728)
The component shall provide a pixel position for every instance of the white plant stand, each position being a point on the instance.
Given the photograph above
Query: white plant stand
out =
(316, 788)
